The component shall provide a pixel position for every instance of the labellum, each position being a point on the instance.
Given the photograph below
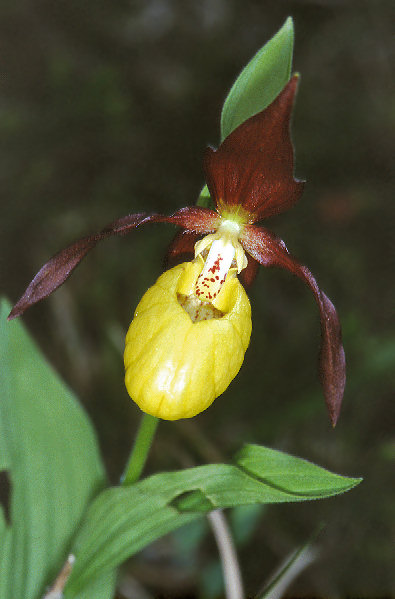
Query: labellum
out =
(182, 352)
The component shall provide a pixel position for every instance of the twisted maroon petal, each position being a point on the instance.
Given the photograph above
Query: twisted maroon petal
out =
(55, 272)
(196, 219)
(254, 165)
(269, 250)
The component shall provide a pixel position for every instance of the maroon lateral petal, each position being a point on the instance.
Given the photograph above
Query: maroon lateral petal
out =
(55, 272)
(195, 219)
(59, 267)
(253, 167)
(269, 250)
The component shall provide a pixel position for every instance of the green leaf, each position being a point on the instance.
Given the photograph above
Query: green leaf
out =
(292, 475)
(48, 446)
(257, 86)
(260, 81)
(123, 520)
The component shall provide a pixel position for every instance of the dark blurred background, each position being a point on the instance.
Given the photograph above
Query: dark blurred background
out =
(105, 109)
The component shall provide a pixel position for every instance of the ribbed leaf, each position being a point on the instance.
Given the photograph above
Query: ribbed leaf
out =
(292, 475)
(123, 520)
(48, 447)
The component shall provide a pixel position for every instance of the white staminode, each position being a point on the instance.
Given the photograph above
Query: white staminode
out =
(216, 267)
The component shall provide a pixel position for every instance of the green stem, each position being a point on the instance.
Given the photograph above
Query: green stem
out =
(140, 450)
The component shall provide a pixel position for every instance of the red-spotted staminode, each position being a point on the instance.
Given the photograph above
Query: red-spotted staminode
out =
(191, 329)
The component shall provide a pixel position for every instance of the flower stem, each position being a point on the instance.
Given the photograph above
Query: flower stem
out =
(140, 450)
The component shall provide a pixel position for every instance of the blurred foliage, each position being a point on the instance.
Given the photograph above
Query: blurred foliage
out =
(105, 109)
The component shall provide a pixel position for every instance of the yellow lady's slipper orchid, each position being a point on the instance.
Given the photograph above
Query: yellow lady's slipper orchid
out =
(191, 329)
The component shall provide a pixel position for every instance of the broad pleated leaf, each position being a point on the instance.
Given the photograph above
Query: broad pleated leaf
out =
(48, 447)
(123, 520)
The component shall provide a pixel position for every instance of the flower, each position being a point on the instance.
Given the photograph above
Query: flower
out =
(191, 329)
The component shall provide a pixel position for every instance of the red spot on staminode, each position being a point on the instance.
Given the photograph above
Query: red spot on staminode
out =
(216, 265)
